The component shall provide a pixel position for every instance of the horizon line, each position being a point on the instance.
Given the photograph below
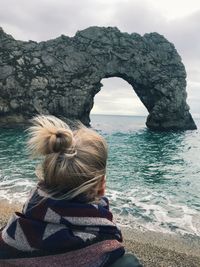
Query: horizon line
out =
(195, 116)
(103, 114)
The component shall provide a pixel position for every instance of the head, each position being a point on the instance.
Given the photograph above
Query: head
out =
(74, 162)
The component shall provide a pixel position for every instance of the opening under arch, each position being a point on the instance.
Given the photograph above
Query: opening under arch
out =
(117, 98)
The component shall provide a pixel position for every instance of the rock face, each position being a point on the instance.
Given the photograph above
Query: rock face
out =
(62, 76)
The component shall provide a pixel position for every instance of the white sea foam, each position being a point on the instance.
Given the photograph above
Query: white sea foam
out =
(131, 209)
(168, 217)
(15, 190)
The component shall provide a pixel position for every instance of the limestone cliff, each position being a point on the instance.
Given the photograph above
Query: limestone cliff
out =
(62, 76)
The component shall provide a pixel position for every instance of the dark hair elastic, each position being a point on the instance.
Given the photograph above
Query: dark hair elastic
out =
(59, 134)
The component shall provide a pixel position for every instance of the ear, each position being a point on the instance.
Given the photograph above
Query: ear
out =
(102, 186)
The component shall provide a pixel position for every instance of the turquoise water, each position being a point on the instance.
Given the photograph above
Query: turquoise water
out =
(152, 178)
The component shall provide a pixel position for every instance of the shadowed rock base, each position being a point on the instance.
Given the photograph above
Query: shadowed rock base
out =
(186, 123)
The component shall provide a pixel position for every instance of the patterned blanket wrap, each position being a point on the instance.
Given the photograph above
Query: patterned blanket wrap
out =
(48, 226)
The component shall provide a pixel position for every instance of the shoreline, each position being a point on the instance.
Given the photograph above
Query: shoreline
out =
(153, 249)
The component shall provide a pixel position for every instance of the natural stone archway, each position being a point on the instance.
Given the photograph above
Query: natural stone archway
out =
(62, 76)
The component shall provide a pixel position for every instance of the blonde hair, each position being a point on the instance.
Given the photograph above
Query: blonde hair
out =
(74, 161)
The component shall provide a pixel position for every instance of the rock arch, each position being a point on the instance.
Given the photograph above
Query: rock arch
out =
(62, 76)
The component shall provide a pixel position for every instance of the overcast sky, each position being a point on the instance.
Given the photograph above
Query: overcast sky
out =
(177, 20)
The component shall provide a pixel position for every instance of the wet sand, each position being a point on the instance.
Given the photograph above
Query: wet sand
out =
(163, 250)
(6, 209)
(152, 248)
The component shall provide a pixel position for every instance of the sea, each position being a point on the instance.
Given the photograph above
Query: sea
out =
(153, 178)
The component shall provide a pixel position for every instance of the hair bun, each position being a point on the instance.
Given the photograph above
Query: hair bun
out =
(49, 135)
(60, 141)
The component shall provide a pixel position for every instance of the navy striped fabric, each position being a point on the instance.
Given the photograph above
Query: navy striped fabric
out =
(52, 226)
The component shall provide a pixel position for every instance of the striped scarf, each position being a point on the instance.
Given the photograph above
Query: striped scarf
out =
(48, 226)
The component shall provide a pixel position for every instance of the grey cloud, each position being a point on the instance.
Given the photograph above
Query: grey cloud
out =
(184, 33)
(137, 16)
(41, 20)
(193, 98)
(113, 83)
